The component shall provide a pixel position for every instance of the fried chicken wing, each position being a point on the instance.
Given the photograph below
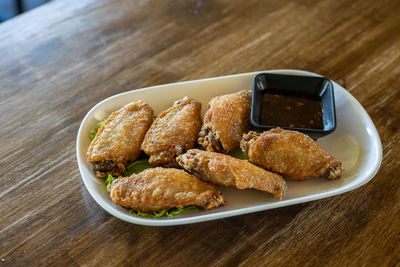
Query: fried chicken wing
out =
(225, 170)
(225, 122)
(159, 188)
(118, 140)
(292, 154)
(173, 132)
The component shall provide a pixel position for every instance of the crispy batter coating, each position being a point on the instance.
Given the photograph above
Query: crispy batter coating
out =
(293, 154)
(225, 122)
(225, 170)
(118, 140)
(173, 132)
(159, 188)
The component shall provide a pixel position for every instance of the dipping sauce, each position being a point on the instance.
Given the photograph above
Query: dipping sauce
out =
(288, 109)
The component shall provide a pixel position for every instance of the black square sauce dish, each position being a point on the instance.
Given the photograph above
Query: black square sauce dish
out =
(300, 103)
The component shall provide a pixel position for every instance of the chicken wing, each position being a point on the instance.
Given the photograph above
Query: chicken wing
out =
(225, 170)
(173, 132)
(225, 122)
(159, 188)
(292, 154)
(118, 140)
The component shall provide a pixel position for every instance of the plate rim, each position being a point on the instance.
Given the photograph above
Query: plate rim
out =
(377, 160)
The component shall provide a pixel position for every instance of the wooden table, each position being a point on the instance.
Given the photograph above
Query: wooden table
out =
(59, 60)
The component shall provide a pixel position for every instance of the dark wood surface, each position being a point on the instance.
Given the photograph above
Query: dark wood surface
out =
(59, 60)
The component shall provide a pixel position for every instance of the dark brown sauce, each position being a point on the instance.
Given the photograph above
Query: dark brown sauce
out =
(287, 109)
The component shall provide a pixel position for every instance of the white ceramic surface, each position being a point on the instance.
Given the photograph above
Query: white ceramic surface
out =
(355, 143)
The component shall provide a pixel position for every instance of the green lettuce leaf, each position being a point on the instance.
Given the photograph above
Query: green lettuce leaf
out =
(143, 164)
(109, 180)
(137, 166)
(200, 147)
(93, 132)
(239, 154)
(166, 213)
(176, 211)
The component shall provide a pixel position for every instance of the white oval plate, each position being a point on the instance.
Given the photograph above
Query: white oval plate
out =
(355, 143)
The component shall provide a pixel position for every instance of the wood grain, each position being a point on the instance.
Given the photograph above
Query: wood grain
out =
(59, 60)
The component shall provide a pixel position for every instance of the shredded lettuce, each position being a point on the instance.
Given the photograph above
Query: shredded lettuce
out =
(167, 213)
(137, 166)
(93, 132)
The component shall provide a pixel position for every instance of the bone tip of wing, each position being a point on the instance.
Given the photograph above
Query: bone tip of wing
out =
(163, 159)
(247, 139)
(217, 200)
(185, 101)
(109, 188)
(100, 175)
(184, 158)
(139, 105)
(335, 170)
(181, 159)
(278, 194)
